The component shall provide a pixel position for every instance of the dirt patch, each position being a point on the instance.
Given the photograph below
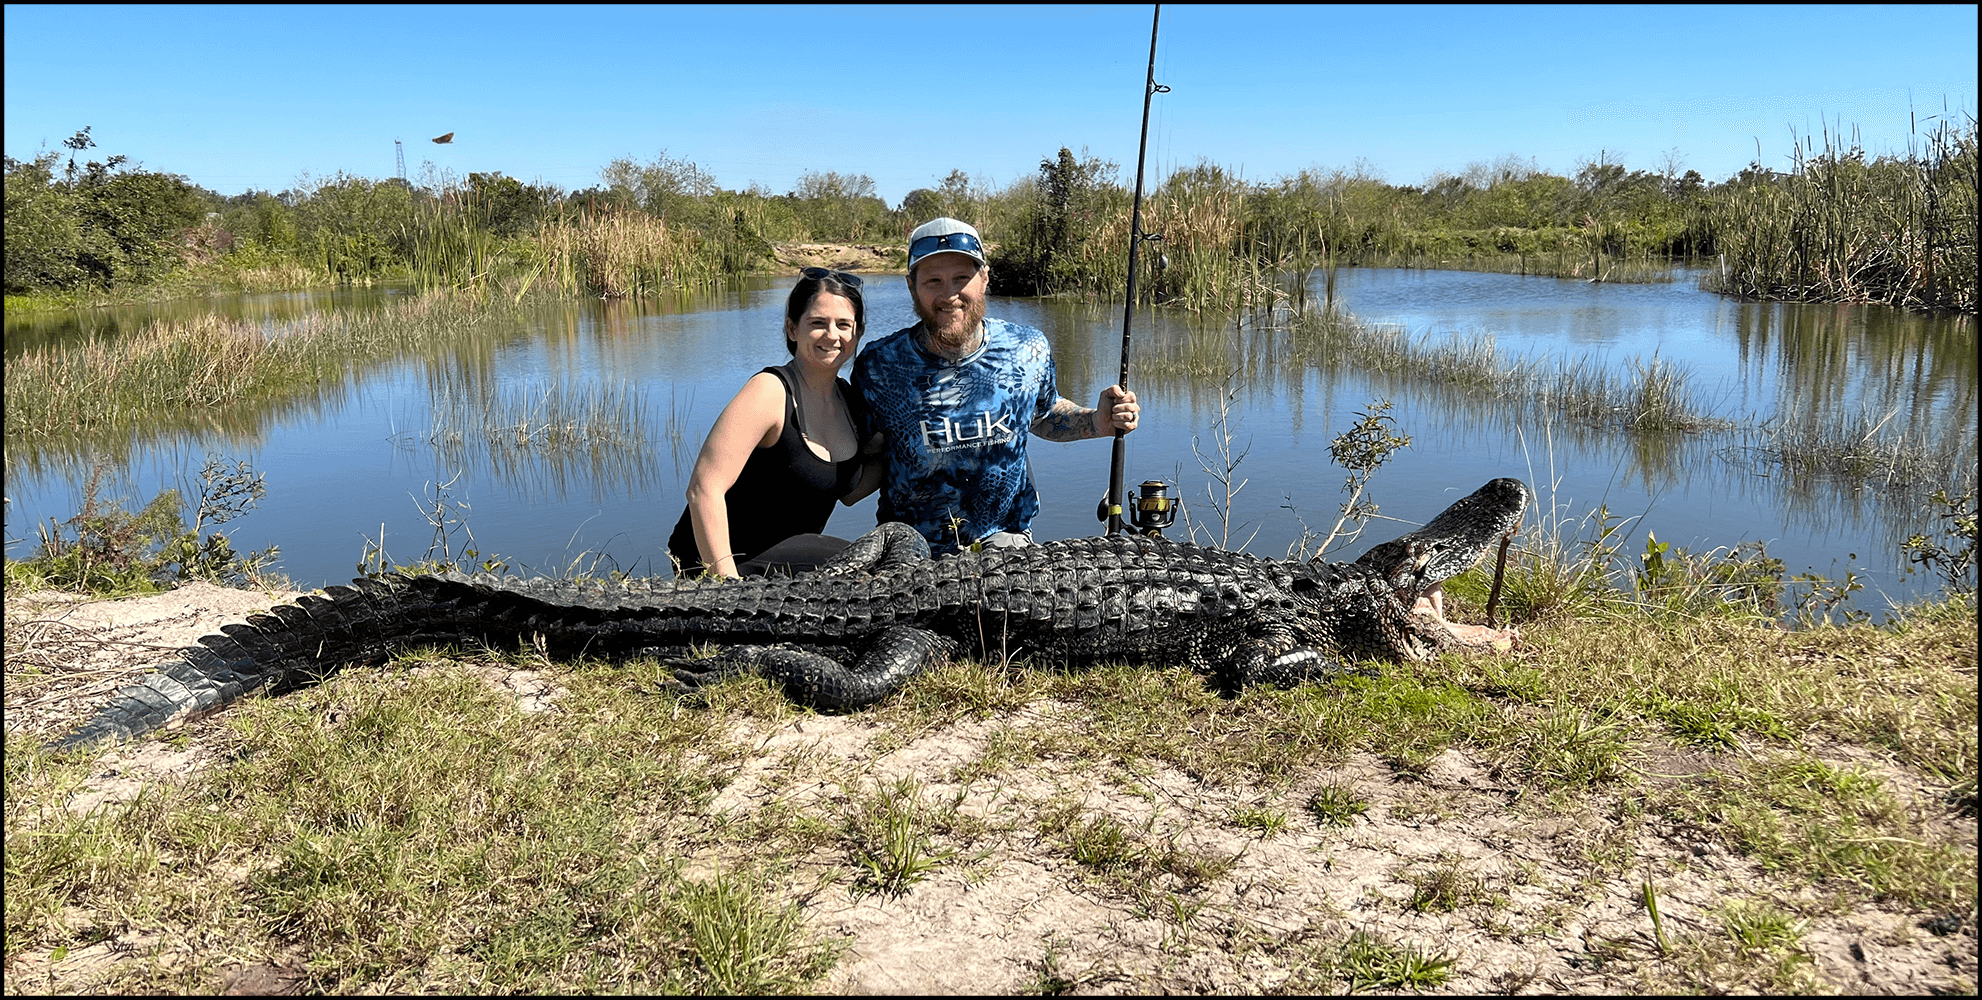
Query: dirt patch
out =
(1524, 906)
(860, 257)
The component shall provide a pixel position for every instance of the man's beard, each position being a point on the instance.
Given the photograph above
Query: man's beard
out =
(964, 325)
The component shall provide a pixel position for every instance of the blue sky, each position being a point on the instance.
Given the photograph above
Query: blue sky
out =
(237, 98)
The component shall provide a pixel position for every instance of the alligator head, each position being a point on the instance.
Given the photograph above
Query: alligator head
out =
(1416, 563)
(1372, 606)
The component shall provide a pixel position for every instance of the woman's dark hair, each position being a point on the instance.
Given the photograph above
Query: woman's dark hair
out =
(808, 289)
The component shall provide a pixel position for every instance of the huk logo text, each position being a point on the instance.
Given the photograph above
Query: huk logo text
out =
(986, 428)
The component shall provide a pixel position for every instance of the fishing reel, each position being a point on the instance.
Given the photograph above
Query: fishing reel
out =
(1152, 510)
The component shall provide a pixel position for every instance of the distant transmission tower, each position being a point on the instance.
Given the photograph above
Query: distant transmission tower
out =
(399, 152)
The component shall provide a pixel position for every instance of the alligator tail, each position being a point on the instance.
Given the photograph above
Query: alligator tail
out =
(291, 645)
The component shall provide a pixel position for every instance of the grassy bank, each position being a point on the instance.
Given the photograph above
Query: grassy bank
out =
(1694, 774)
(485, 820)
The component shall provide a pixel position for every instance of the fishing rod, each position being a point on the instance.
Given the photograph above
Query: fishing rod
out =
(1154, 511)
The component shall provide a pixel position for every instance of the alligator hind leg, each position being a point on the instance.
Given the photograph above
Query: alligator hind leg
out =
(885, 663)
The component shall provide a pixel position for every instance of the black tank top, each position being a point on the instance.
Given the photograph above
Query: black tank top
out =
(783, 490)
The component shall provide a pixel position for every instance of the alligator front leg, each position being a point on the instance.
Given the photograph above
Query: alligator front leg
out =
(1255, 663)
(887, 661)
(891, 544)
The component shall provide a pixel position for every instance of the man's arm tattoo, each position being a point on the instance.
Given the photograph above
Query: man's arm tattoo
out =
(1066, 421)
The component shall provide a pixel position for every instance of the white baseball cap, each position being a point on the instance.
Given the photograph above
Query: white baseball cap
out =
(944, 235)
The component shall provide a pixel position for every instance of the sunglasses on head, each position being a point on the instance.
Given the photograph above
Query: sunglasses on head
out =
(954, 241)
(817, 273)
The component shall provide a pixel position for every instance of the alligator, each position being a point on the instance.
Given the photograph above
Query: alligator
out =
(847, 635)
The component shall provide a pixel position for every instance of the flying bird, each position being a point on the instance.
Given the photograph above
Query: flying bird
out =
(446, 138)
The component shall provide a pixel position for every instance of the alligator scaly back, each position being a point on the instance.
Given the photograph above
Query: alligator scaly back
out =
(853, 632)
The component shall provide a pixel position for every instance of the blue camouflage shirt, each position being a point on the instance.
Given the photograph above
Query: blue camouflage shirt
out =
(957, 431)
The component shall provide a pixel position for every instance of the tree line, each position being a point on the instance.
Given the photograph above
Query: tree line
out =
(1840, 225)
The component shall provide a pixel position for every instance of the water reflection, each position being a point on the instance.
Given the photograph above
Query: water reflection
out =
(1791, 379)
(543, 439)
(30, 331)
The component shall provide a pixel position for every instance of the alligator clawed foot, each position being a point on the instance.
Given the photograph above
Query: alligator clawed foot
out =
(683, 694)
(691, 681)
(695, 674)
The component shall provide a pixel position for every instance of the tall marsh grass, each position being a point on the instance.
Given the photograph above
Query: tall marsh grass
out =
(1645, 395)
(1872, 447)
(1226, 241)
(621, 255)
(446, 249)
(1207, 258)
(210, 373)
(1895, 230)
(1578, 266)
(605, 252)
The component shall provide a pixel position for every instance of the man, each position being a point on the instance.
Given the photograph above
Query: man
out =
(955, 396)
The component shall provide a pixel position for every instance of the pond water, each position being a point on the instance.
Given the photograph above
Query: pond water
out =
(342, 472)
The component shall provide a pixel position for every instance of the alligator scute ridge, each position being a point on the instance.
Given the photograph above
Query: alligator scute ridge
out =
(884, 607)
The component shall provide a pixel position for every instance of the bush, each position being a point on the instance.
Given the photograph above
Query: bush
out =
(107, 550)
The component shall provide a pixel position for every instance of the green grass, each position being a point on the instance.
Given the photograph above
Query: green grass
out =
(1265, 823)
(1761, 927)
(1444, 886)
(1137, 862)
(888, 833)
(485, 849)
(1802, 816)
(1336, 805)
(1368, 962)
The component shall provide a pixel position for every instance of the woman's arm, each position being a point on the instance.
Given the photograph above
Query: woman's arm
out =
(752, 420)
(873, 465)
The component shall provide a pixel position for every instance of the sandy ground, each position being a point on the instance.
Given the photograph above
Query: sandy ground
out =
(1012, 913)
(866, 258)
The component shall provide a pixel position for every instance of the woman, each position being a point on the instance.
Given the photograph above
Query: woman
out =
(785, 448)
